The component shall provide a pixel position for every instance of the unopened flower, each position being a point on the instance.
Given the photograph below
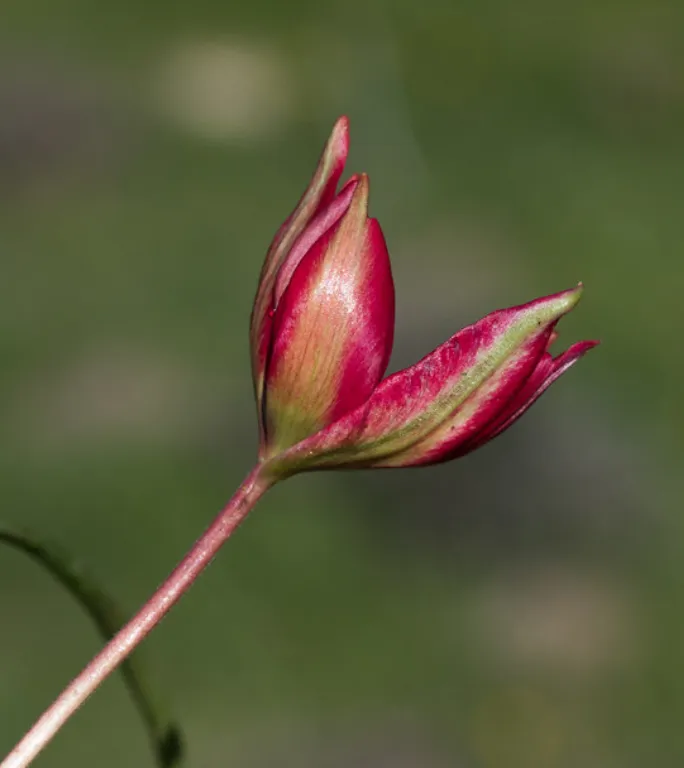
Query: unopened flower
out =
(323, 319)
(321, 336)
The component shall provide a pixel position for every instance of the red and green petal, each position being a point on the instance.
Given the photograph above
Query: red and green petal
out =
(319, 193)
(428, 412)
(547, 371)
(333, 329)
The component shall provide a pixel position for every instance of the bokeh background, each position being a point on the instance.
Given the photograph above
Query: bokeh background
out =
(520, 608)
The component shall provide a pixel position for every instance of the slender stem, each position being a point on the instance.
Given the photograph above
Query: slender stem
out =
(147, 618)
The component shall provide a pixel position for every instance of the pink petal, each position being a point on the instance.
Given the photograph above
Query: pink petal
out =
(549, 370)
(325, 219)
(333, 328)
(478, 408)
(318, 194)
(425, 413)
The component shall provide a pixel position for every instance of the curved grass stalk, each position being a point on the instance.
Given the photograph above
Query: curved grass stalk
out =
(165, 735)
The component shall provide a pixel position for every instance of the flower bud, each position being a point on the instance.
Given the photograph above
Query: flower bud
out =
(318, 195)
(332, 329)
(321, 337)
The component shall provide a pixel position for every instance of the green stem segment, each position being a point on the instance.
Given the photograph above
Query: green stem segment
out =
(147, 618)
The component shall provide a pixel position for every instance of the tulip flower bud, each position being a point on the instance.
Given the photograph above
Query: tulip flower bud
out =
(332, 329)
(318, 195)
(321, 337)
(458, 397)
(323, 318)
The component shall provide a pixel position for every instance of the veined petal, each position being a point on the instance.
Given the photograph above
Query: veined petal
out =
(318, 194)
(333, 329)
(548, 370)
(475, 410)
(324, 221)
(424, 412)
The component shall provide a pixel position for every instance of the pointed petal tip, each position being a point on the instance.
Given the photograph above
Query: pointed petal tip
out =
(359, 201)
(571, 296)
(352, 181)
(571, 355)
(342, 123)
(338, 144)
(581, 347)
(549, 309)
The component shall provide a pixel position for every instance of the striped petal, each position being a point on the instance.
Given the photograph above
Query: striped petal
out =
(462, 394)
(332, 330)
(318, 195)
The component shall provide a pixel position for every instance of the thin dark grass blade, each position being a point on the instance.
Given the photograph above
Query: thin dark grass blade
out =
(107, 617)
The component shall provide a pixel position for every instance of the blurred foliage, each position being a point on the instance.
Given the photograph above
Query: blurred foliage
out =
(517, 608)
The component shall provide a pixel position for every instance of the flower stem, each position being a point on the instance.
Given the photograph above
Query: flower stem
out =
(147, 618)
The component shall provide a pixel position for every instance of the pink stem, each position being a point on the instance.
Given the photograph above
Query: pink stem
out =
(147, 618)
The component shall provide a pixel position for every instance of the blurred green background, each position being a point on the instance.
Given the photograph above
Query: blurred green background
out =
(520, 608)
